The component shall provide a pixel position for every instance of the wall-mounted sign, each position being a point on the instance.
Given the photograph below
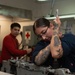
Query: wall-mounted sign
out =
(27, 35)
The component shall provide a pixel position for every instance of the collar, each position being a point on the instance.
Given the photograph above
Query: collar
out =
(12, 35)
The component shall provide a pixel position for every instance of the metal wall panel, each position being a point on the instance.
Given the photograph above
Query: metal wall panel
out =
(29, 38)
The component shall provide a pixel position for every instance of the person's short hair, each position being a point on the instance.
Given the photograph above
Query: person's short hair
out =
(41, 22)
(15, 25)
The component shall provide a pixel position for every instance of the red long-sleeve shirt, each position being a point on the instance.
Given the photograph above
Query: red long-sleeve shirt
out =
(10, 48)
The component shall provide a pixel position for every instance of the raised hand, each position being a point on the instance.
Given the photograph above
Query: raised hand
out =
(57, 21)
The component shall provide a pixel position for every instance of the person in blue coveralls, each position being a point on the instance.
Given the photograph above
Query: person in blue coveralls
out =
(53, 46)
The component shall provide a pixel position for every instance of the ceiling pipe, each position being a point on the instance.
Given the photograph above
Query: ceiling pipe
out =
(15, 12)
(61, 17)
(42, 0)
(52, 7)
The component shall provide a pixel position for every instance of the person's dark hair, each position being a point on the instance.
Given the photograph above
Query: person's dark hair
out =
(41, 22)
(15, 25)
(21, 33)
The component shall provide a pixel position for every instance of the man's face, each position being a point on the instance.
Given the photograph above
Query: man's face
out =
(15, 31)
(44, 32)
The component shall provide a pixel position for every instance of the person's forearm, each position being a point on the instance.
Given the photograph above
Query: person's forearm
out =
(55, 45)
(42, 56)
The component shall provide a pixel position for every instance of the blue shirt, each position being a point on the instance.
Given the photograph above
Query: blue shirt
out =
(68, 58)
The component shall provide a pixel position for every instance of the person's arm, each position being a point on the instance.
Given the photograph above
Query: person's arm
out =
(42, 55)
(55, 45)
(10, 46)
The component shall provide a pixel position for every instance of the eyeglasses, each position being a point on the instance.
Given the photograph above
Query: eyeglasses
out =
(42, 33)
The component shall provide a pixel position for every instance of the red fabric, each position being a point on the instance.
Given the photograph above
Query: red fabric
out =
(0, 59)
(10, 48)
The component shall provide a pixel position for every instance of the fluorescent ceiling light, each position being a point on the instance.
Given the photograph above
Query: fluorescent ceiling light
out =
(42, 0)
(61, 17)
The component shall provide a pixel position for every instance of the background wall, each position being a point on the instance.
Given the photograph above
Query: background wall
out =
(39, 9)
(5, 23)
(64, 7)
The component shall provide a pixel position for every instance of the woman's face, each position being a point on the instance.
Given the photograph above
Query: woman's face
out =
(44, 32)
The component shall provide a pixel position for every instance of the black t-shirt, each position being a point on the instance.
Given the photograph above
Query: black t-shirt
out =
(68, 58)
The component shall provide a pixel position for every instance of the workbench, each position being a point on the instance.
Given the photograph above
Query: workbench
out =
(3, 73)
